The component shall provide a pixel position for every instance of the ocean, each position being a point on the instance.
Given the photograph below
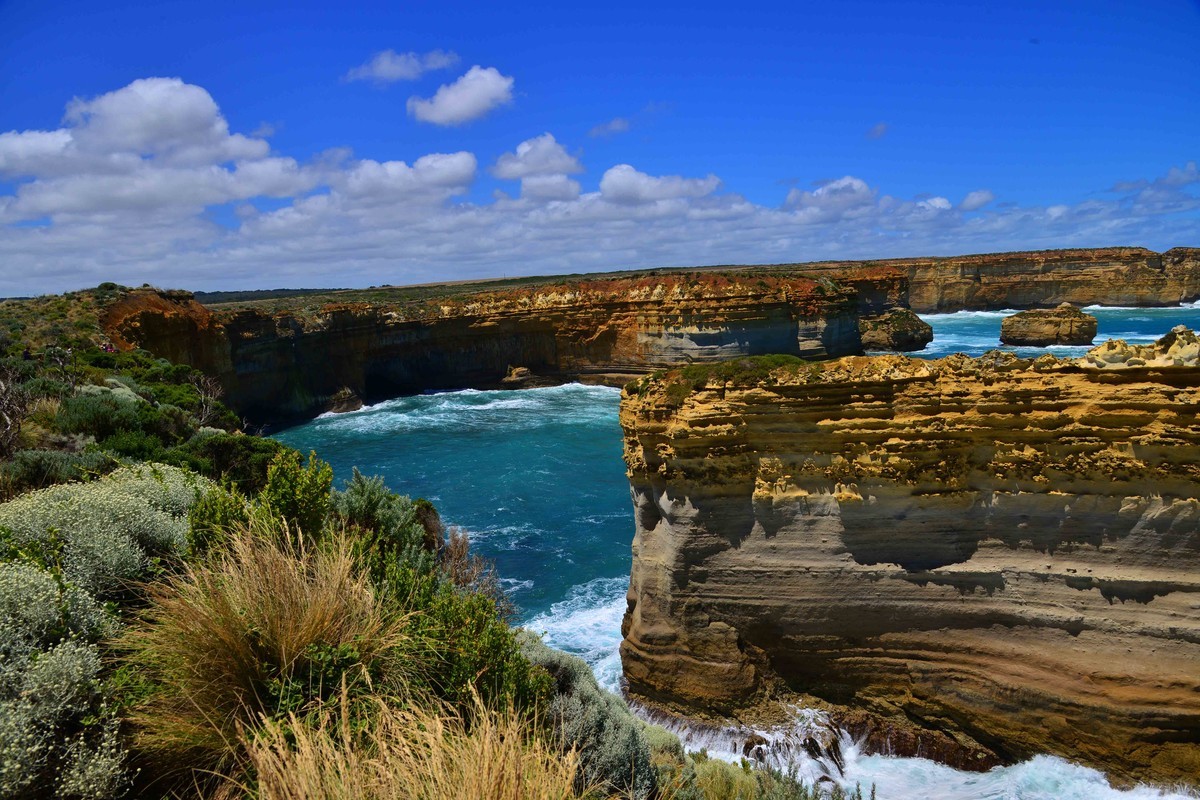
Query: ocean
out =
(535, 478)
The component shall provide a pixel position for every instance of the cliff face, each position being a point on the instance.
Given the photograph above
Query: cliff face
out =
(290, 365)
(974, 559)
(1114, 276)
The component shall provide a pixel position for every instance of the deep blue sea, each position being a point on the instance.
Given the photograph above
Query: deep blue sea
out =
(535, 477)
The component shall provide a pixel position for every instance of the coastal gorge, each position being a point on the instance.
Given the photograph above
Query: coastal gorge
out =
(282, 362)
(975, 560)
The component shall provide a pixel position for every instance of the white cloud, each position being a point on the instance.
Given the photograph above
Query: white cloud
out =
(833, 200)
(549, 187)
(976, 200)
(541, 155)
(470, 97)
(877, 131)
(31, 152)
(131, 203)
(624, 184)
(611, 128)
(157, 146)
(163, 117)
(434, 176)
(388, 66)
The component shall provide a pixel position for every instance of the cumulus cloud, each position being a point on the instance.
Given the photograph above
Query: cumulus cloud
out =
(549, 187)
(388, 66)
(877, 131)
(541, 155)
(114, 201)
(470, 97)
(611, 128)
(833, 200)
(163, 117)
(976, 200)
(624, 184)
(436, 176)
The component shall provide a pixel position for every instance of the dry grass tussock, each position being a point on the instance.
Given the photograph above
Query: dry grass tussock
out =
(264, 629)
(420, 752)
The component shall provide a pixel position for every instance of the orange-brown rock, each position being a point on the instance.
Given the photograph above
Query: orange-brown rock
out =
(1113, 276)
(1065, 325)
(1004, 553)
(289, 365)
(899, 330)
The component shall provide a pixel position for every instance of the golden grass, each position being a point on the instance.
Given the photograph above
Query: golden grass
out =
(419, 753)
(242, 636)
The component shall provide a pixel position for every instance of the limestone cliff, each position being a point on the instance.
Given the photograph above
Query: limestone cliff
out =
(1113, 276)
(974, 559)
(290, 365)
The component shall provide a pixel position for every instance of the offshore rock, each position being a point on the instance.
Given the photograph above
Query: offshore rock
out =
(1065, 325)
(977, 560)
(899, 330)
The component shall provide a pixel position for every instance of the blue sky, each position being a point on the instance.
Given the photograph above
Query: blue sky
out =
(236, 145)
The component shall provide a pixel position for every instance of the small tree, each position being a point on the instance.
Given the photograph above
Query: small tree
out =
(299, 493)
(14, 400)
(210, 391)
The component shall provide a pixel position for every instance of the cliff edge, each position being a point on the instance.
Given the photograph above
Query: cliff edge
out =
(976, 560)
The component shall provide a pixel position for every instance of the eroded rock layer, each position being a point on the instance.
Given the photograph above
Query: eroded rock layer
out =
(1112, 276)
(290, 365)
(974, 559)
(1065, 325)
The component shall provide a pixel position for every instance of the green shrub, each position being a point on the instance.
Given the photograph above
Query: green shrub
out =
(137, 445)
(389, 531)
(43, 386)
(613, 753)
(37, 469)
(469, 648)
(98, 413)
(107, 530)
(214, 516)
(299, 493)
(234, 458)
(39, 609)
(52, 742)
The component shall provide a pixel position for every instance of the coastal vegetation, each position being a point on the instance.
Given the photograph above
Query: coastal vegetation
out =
(190, 610)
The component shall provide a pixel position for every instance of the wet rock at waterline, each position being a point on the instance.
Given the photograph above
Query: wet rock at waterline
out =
(1065, 325)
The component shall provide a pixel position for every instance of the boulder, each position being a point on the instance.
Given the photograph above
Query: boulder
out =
(899, 330)
(1065, 325)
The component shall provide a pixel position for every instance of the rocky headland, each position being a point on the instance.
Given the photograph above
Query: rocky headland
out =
(290, 360)
(972, 559)
(1065, 325)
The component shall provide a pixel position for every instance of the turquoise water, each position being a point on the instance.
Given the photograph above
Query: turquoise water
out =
(535, 477)
(974, 332)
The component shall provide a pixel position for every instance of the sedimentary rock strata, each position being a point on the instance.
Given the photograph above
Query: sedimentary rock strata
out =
(290, 365)
(898, 330)
(1113, 276)
(976, 559)
(1065, 325)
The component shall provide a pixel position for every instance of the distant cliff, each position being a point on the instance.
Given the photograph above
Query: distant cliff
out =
(1113, 276)
(318, 352)
(977, 560)
(290, 365)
